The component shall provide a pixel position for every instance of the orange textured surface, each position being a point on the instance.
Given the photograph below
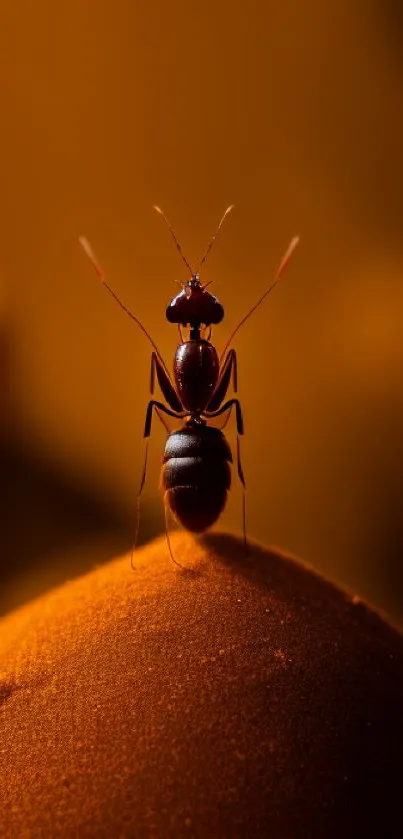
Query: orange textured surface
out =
(246, 697)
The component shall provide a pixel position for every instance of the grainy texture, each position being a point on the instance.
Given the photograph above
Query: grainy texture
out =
(246, 697)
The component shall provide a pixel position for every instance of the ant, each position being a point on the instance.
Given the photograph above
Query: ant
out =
(196, 474)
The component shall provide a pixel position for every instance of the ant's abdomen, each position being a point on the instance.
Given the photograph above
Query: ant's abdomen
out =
(196, 475)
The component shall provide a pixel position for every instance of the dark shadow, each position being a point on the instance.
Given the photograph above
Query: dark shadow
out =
(45, 511)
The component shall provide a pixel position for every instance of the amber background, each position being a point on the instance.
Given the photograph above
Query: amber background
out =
(294, 112)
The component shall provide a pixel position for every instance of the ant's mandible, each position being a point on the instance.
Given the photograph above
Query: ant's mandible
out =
(196, 473)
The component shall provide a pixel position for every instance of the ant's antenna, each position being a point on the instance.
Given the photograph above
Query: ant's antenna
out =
(98, 270)
(281, 268)
(158, 209)
(228, 210)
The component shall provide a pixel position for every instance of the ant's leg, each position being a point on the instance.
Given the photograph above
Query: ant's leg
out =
(239, 426)
(228, 370)
(242, 480)
(147, 431)
(166, 511)
(238, 461)
(137, 520)
(143, 477)
(153, 403)
(226, 421)
(164, 382)
(229, 404)
(162, 421)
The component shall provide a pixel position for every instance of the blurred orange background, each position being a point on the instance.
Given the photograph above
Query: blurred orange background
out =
(292, 111)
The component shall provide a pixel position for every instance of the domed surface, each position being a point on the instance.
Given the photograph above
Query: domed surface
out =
(245, 697)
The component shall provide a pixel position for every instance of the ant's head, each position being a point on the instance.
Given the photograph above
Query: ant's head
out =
(194, 305)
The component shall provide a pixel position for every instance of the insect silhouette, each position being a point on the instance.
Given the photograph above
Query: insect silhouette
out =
(196, 472)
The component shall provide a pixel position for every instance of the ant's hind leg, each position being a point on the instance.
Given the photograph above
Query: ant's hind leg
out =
(175, 561)
(242, 480)
(167, 511)
(137, 519)
(240, 428)
(158, 407)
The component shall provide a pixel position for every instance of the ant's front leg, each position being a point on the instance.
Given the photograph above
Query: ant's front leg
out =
(165, 383)
(228, 370)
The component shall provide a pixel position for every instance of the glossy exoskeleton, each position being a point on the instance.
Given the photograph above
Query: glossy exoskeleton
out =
(196, 472)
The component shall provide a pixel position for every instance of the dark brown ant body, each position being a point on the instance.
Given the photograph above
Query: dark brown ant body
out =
(196, 473)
